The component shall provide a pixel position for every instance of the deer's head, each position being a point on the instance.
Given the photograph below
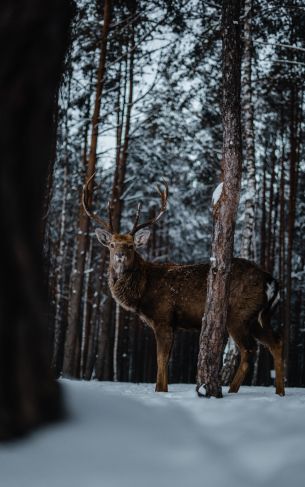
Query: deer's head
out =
(123, 247)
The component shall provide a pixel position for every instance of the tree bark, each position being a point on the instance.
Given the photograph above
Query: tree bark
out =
(224, 210)
(72, 344)
(293, 179)
(122, 152)
(264, 217)
(247, 251)
(248, 243)
(60, 274)
(123, 130)
(29, 80)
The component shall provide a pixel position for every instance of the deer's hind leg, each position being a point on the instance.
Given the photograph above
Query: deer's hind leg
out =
(164, 338)
(247, 346)
(274, 342)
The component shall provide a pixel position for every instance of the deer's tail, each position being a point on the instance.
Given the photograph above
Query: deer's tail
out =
(271, 299)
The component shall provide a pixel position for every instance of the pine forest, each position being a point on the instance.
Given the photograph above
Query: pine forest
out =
(139, 103)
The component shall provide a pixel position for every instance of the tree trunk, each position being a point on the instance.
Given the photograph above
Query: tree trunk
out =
(270, 235)
(60, 277)
(72, 344)
(224, 210)
(282, 249)
(122, 151)
(29, 396)
(248, 243)
(264, 218)
(293, 176)
(123, 130)
(231, 358)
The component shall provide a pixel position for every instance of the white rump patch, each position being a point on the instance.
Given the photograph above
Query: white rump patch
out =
(217, 194)
(270, 290)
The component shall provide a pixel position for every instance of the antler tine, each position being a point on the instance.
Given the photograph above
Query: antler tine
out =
(163, 194)
(164, 198)
(89, 213)
(133, 231)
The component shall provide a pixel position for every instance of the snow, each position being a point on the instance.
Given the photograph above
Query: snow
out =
(126, 435)
(217, 194)
(270, 290)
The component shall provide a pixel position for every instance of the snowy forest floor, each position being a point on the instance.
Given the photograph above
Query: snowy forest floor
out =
(122, 434)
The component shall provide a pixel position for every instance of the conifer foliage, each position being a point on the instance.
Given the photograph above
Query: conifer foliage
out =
(140, 101)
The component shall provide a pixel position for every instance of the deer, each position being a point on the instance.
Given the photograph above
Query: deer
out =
(169, 296)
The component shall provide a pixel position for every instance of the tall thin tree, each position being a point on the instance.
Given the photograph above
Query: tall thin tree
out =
(248, 234)
(225, 205)
(72, 344)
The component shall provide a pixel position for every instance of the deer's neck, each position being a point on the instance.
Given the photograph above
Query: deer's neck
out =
(127, 288)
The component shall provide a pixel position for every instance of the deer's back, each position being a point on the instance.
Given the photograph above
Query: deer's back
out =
(177, 293)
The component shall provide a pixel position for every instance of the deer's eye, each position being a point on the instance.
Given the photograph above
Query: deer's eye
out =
(112, 246)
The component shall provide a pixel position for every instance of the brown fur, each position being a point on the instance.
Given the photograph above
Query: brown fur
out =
(170, 296)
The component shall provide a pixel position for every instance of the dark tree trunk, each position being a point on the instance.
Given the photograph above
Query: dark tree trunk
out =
(122, 146)
(282, 250)
(224, 210)
(124, 109)
(264, 218)
(270, 235)
(29, 78)
(291, 351)
(72, 344)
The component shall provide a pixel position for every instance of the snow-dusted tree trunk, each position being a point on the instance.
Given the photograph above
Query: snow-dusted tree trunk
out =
(224, 210)
(290, 326)
(116, 342)
(248, 235)
(60, 273)
(87, 298)
(248, 241)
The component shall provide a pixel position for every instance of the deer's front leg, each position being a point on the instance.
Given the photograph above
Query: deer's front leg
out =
(164, 338)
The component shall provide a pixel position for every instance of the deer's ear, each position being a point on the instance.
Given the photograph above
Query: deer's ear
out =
(141, 238)
(103, 236)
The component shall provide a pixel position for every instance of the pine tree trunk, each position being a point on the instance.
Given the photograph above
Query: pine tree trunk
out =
(248, 243)
(72, 344)
(282, 249)
(122, 150)
(231, 358)
(268, 264)
(60, 277)
(293, 173)
(116, 342)
(224, 210)
(264, 218)
(119, 176)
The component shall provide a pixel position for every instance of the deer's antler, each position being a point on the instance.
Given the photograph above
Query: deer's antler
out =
(152, 221)
(93, 215)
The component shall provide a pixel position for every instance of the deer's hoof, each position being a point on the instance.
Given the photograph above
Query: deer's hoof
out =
(280, 393)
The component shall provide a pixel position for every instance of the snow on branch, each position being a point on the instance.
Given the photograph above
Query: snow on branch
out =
(276, 44)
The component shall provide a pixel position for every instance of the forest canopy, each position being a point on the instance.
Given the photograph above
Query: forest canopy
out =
(140, 101)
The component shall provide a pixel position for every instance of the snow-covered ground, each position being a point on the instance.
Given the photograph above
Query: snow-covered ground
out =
(122, 435)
